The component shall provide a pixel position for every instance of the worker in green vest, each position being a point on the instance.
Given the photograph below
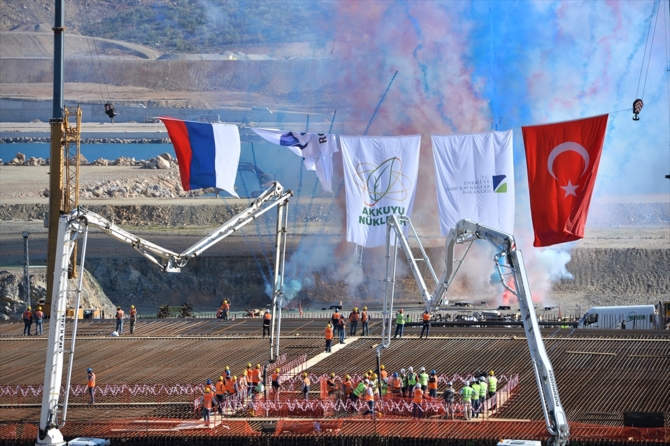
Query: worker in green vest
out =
(399, 324)
(411, 381)
(423, 378)
(482, 393)
(475, 398)
(493, 384)
(466, 398)
(359, 390)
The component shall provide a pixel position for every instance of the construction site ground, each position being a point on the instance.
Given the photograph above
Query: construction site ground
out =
(147, 382)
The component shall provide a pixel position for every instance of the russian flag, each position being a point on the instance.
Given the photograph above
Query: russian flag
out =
(208, 154)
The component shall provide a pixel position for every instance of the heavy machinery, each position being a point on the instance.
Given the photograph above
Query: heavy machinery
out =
(76, 223)
(509, 264)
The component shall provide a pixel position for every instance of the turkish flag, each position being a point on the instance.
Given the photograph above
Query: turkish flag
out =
(562, 161)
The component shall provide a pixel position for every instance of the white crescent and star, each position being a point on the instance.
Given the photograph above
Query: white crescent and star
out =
(565, 147)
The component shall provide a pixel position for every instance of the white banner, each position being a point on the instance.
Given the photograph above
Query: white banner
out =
(380, 176)
(474, 175)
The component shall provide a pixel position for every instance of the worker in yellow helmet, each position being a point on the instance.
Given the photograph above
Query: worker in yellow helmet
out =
(305, 385)
(207, 402)
(39, 319)
(276, 384)
(354, 317)
(365, 319)
(132, 316)
(28, 321)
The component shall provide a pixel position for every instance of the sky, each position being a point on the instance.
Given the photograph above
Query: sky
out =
(475, 66)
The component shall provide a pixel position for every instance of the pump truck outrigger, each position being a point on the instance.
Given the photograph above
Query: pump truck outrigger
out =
(509, 262)
(71, 225)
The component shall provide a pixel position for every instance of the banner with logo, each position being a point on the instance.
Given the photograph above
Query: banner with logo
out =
(474, 176)
(562, 161)
(380, 176)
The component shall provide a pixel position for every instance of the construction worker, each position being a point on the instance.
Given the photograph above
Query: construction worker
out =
(347, 388)
(383, 373)
(276, 384)
(475, 398)
(412, 379)
(432, 384)
(426, 324)
(354, 317)
(423, 378)
(248, 374)
(256, 376)
(399, 324)
(405, 384)
(449, 395)
(207, 402)
(259, 389)
(466, 398)
(133, 317)
(305, 385)
(329, 338)
(91, 384)
(331, 385)
(341, 326)
(225, 309)
(28, 321)
(359, 390)
(229, 384)
(220, 392)
(370, 399)
(483, 388)
(119, 320)
(39, 319)
(396, 385)
(493, 384)
(242, 385)
(267, 319)
(219, 313)
(335, 320)
(365, 320)
(417, 400)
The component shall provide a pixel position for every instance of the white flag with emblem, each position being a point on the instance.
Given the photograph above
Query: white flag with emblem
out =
(474, 175)
(380, 176)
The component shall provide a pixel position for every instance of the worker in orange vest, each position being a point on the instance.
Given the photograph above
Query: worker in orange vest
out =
(335, 320)
(432, 384)
(250, 385)
(225, 308)
(133, 317)
(329, 338)
(426, 324)
(416, 401)
(340, 327)
(276, 384)
(267, 319)
(255, 376)
(331, 385)
(91, 384)
(383, 372)
(220, 392)
(365, 320)
(39, 319)
(207, 402)
(396, 385)
(354, 317)
(347, 387)
(119, 320)
(28, 321)
(370, 399)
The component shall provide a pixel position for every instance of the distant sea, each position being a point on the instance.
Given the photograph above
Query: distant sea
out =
(90, 151)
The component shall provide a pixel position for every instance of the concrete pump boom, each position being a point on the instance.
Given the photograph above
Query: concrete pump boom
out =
(76, 222)
(509, 262)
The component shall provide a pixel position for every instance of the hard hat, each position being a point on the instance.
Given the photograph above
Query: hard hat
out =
(267, 311)
(491, 373)
(304, 373)
(207, 390)
(467, 383)
(367, 381)
(400, 310)
(370, 383)
(332, 375)
(227, 368)
(258, 366)
(395, 374)
(132, 306)
(418, 386)
(277, 369)
(209, 381)
(365, 308)
(225, 301)
(433, 372)
(411, 369)
(355, 308)
(234, 377)
(227, 372)
(423, 369)
(249, 365)
(374, 376)
(89, 370)
(482, 379)
(382, 367)
(220, 378)
(28, 307)
(347, 376)
(402, 370)
(329, 326)
(245, 372)
(450, 383)
(118, 308)
(39, 308)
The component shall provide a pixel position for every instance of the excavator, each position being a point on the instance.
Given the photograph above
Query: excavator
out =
(76, 224)
(509, 263)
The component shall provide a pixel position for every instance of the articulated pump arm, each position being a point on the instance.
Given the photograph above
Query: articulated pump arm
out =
(508, 261)
(77, 222)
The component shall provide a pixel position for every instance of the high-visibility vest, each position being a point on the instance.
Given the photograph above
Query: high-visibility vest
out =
(384, 375)
(411, 378)
(418, 395)
(493, 383)
(207, 400)
(255, 376)
(475, 390)
(225, 306)
(133, 314)
(329, 333)
(369, 394)
(482, 390)
(229, 385)
(396, 383)
(220, 388)
(39, 315)
(275, 377)
(400, 319)
(432, 382)
(119, 314)
(353, 317)
(364, 316)
(91, 380)
(336, 316)
(348, 387)
(423, 379)
(360, 388)
(340, 322)
(27, 315)
(267, 316)
(426, 317)
(467, 394)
